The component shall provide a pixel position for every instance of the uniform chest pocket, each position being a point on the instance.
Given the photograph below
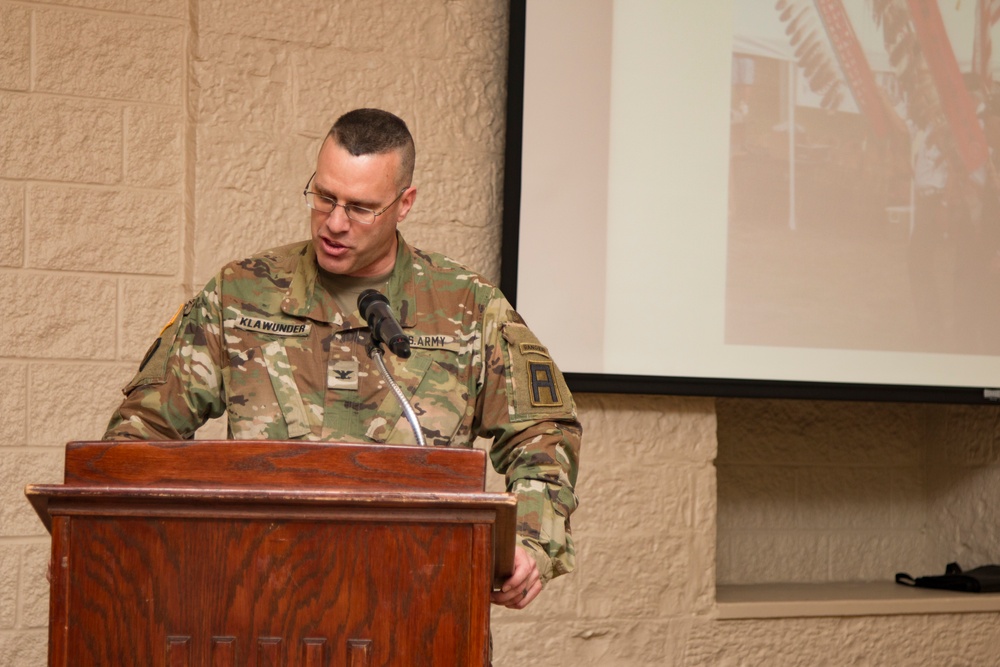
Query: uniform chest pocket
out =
(439, 400)
(262, 398)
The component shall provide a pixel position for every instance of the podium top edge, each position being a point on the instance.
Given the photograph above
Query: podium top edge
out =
(272, 463)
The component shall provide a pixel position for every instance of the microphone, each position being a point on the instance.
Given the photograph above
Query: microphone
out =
(374, 308)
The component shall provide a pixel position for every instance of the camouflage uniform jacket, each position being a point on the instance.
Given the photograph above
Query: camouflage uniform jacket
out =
(266, 345)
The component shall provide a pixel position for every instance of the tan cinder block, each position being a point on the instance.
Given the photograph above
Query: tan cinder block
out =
(154, 149)
(81, 414)
(109, 56)
(177, 9)
(243, 224)
(15, 48)
(10, 572)
(246, 85)
(963, 435)
(252, 164)
(18, 468)
(706, 497)
(651, 427)
(485, 27)
(909, 497)
(146, 308)
(603, 642)
(621, 497)
(878, 555)
(34, 593)
(354, 25)
(60, 140)
(946, 507)
(964, 514)
(13, 403)
(788, 432)
(462, 191)
(104, 230)
(473, 92)
(250, 196)
(900, 641)
(850, 433)
(763, 557)
(702, 573)
(560, 594)
(26, 648)
(756, 497)
(458, 209)
(58, 316)
(548, 644)
(281, 21)
(843, 498)
(166, 8)
(11, 224)
(361, 81)
(610, 565)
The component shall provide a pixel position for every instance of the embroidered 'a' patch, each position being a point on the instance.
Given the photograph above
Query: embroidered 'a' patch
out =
(544, 390)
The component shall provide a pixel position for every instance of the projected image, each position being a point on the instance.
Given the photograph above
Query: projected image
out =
(863, 187)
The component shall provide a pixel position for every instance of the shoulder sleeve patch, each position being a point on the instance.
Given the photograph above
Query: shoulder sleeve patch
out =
(153, 368)
(539, 390)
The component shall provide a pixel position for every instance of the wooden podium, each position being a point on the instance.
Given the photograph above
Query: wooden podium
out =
(225, 553)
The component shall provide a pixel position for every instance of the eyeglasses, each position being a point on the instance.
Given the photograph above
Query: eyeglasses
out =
(324, 204)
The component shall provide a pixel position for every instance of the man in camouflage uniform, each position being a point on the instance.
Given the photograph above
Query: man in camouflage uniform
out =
(275, 342)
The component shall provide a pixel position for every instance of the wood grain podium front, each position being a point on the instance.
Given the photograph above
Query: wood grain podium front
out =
(212, 553)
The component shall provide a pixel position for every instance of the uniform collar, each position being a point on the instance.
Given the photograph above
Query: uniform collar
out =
(401, 292)
(305, 296)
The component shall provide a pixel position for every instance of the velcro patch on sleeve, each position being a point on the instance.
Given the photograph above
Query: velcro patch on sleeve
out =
(538, 388)
(153, 368)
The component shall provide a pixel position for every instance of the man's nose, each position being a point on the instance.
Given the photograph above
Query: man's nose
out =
(337, 220)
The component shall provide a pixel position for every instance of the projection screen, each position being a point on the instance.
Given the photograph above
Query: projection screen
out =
(744, 198)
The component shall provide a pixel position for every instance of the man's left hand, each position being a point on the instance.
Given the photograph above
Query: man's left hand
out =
(524, 584)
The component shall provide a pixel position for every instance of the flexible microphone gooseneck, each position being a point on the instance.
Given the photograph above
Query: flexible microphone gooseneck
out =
(374, 308)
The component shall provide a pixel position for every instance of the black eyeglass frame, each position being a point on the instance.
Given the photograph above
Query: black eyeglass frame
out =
(348, 208)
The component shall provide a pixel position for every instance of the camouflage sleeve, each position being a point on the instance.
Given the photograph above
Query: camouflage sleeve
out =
(527, 409)
(178, 386)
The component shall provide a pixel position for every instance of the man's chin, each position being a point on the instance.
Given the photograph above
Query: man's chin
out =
(334, 266)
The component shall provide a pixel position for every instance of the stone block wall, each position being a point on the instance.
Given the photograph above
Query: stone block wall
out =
(92, 219)
(145, 142)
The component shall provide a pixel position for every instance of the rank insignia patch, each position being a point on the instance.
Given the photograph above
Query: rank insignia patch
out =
(342, 375)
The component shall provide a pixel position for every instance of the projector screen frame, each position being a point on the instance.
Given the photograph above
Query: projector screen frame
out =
(673, 385)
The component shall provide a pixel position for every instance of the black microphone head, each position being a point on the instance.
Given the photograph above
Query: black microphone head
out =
(375, 310)
(368, 298)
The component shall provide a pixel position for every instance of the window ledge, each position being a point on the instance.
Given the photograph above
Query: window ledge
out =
(845, 599)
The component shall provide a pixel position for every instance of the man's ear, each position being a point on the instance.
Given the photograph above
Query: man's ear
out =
(406, 202)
